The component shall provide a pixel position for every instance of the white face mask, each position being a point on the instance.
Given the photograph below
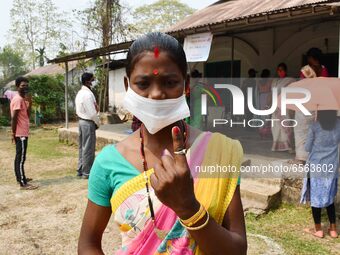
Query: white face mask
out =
(156, 114)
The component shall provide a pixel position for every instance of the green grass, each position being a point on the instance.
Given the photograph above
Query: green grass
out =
(44, 144)
(285, 226)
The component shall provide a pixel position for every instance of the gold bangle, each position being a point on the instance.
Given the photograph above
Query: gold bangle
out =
(195, 218)
(198, 227)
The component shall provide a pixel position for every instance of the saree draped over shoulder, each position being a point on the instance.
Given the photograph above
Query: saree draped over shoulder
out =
(214, 189)
(282, 135)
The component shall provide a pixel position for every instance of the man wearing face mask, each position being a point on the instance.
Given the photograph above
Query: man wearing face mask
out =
(20, 111)
(87, 110)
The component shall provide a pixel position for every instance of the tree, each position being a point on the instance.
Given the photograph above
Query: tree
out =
(37, 25)
(11, 63)
(159, 15)
(48, 93)
(102, 23)
(41, 56)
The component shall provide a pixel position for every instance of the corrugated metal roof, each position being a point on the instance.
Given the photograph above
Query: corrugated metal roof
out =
(53, 69)
(222, 11)
(49, 69)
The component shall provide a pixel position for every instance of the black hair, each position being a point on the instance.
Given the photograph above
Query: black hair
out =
(19, 80)
(86, 77)
(163, 42)
(265, 73)
(315, 53)
(327, 119)
(252, 72)
(283, 66)
(196, 74)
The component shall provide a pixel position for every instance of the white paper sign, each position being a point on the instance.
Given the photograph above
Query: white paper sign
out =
(197, 47)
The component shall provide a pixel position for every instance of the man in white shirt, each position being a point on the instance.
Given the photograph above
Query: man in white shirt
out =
(87, 111)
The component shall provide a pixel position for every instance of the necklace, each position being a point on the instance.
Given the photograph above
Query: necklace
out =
(160, 233)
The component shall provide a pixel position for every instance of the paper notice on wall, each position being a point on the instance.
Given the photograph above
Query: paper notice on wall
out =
(197, 47)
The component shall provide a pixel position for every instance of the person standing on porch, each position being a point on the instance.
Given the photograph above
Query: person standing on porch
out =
(87, 112)
(313, 69)
(282, 135)
(320, 187)
(20, 111)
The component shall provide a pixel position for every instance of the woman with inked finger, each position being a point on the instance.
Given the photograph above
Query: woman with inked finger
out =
(149, 182)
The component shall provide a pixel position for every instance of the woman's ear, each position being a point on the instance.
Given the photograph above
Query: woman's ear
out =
(126, 83)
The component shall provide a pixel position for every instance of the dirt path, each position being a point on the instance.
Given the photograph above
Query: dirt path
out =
(47, 220)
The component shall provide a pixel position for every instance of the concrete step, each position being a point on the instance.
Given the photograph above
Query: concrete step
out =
(277, 182)
(252, 206)
(259, 195)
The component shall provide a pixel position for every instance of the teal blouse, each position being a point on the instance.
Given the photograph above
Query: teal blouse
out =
(109, 172)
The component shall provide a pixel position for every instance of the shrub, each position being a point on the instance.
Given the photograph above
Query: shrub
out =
(5, 121)
(48, 93)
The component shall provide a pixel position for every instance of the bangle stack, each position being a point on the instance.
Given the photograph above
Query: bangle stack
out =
(188, 223)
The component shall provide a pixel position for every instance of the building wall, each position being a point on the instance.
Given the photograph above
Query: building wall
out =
(74, 81)
(116, 87)
(284, 44)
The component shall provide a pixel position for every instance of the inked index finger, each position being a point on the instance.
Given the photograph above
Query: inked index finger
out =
(178, 145)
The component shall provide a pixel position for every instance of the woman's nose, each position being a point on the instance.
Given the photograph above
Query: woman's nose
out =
(156, 93)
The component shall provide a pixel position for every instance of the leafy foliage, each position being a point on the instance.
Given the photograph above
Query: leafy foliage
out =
(103, 25)
(11, 64)
(102, 22)
(4, 121)
(48, 93)
(36, 25)
(160, 15)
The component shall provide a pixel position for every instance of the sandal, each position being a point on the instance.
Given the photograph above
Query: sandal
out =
(27, 180)
(318, 234)
(332, 233)
(28, 187)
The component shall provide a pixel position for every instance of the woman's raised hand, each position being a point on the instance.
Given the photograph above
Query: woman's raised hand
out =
(172, 180)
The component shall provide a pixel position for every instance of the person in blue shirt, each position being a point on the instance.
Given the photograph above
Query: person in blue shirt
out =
(321, 184)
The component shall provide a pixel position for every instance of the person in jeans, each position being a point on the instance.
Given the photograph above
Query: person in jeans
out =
(20, 110)
(86, 109)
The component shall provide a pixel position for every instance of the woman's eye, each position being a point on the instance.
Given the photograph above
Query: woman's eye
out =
(142, 84)
(171, 83)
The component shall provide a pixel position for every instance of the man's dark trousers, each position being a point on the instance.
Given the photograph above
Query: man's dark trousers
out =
(20, 158)
(87, 146)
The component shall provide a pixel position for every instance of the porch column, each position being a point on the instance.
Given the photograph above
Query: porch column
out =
(66, 94)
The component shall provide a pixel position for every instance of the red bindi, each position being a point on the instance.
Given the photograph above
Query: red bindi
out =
(155, 72)
(156, 52)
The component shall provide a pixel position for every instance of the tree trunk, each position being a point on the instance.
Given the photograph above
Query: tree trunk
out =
(33, 56)
(106, 20)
